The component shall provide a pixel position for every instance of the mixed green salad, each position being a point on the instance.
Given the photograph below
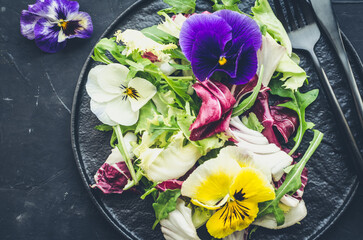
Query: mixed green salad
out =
(201, 108)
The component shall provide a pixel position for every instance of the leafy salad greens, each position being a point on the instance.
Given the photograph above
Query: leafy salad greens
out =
(192, 124)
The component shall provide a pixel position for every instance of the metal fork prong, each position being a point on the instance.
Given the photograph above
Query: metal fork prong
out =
(290, 17)
(298, 13)
(280, 14)
(307, 11)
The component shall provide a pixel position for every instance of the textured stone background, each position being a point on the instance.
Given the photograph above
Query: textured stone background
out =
(41, 193)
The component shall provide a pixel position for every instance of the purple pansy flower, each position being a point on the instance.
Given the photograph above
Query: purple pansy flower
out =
(52, 22)
(224, 41)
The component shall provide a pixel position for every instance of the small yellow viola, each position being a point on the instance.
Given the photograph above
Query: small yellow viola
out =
(233, 186)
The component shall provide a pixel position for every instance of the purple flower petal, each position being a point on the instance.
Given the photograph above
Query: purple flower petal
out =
(27, 23)
(205, 54)
(77, 25)
(46, 36)
(247, 66)
(203, 22)
(64, 8)
(244, 29)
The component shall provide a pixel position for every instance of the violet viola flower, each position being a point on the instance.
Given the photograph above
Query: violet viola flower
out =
(224, 41)
(52, 22)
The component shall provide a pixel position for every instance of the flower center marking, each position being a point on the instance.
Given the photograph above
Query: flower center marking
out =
(222, 61)
(130, 92)
(62, 24)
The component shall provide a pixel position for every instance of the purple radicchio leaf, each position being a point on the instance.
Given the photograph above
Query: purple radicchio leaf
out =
(304, 180)
(215, 112)
(169, 184)
(241, 90)
(284, 120)
(113, 175)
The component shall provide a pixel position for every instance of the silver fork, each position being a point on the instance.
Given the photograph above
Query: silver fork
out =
(304, 34)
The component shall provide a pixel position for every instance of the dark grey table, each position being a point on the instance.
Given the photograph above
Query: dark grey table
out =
(41, 193)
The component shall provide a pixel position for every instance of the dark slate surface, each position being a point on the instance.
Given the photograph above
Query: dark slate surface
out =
(41, 193)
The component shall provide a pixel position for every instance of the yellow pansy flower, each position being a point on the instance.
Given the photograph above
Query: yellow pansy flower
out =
(232, 185)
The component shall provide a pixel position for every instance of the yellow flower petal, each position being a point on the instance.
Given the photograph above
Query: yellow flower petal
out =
(234, 216)
(211, 181)
(252, 186)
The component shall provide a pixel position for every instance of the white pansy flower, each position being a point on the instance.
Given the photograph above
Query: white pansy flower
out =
(172, 26)
(114, 99)
(178, 225)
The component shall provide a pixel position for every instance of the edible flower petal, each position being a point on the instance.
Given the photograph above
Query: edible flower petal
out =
(114, 99)
(224, 41)
(233, 186)
(52, 22)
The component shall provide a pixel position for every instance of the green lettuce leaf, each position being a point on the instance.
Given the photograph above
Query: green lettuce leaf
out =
(108, 44)
(298, 102)
(293, 75)
(264, 15)
(226, 4)
(159, 36)
(165, 203)
(179, 6)
(103, 128)
(251, 121)
(291, 184)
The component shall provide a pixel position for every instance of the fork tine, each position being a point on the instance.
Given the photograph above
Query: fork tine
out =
(280, 14)
(290, 17)
(298, 13)
(307, 11)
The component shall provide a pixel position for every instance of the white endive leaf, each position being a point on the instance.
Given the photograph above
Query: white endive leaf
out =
(291, 217)
(269, 57)
(171, 162)
(238, 235)
(178, 225)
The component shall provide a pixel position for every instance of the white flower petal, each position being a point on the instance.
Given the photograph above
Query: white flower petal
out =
(120, 112)
(165, 67)
(146, 91)
(99, 109)
(112, 77)
(93, 88)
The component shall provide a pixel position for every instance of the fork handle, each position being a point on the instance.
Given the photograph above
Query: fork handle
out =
(339, 115)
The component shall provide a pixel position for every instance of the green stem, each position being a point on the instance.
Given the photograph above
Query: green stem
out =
(148, 192)
(249, 101)
(181, 78)
(122, 148)
(299, 135)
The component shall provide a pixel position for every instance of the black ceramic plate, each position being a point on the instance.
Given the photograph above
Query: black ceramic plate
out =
(331, 185)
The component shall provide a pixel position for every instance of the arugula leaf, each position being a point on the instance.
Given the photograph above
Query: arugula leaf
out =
(165, 204)
(298, 102)
(103, 128)
(159, 36)
(108, 44)
(252, 122)
(176, 53)
(180, 66)
(226, 4)
(179, 6)
(291, 184)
